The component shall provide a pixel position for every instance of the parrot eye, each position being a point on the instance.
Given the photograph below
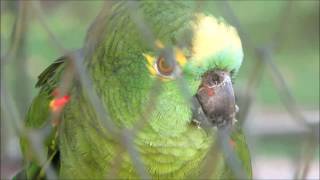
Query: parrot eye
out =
(163, 67)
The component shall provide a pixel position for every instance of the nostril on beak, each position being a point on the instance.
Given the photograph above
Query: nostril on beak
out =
(216, 77)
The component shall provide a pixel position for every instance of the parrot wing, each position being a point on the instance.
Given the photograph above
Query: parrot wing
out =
(241, 150)
(38, 116)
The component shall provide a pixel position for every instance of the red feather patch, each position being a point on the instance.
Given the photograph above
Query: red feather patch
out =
(58, 102)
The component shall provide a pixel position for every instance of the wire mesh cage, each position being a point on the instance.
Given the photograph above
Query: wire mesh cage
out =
(277, 87)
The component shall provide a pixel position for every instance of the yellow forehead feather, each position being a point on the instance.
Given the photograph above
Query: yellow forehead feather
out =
(212, 36)
(150, 61)
(180, 57)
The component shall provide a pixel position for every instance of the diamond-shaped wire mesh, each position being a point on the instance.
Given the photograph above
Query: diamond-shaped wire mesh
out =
(21, 21)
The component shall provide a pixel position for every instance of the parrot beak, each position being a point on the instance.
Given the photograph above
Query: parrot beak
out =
(216, 97)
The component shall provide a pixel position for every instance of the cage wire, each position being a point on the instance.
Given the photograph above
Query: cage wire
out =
(264, 62)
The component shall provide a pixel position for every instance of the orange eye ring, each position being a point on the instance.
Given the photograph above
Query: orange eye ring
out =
(163, 67)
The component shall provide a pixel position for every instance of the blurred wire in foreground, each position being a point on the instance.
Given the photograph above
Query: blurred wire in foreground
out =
(265, 59)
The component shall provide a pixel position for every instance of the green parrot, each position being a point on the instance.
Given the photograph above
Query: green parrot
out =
(189, 54)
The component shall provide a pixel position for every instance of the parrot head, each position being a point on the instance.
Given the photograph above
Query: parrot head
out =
(209, 63)
(194, 56)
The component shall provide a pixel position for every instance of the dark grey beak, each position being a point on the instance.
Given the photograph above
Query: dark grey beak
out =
(216, 98)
